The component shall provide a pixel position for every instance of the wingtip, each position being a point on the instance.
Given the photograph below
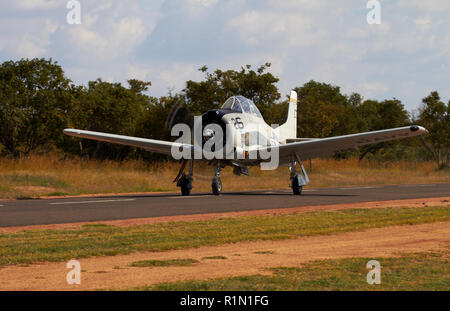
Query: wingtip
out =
(417, 128)
(70, 132)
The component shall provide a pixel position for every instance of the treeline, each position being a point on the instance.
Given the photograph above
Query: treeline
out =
(37, 101)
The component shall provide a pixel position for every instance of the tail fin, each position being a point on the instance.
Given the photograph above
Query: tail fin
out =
(289, 129)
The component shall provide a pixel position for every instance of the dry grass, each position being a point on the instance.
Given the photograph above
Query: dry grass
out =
(49, 175)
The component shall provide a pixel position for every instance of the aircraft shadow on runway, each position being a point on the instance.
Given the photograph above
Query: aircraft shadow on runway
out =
(171, 195)
(288, 194)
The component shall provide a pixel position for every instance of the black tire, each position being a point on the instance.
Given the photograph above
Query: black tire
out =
(296, 188)
(185, 185)
(216, 186)
(185, 191)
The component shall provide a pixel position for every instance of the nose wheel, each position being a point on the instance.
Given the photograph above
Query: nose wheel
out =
(216, 185)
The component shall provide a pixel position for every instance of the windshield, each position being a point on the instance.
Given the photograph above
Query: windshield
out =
(242, 104)
(232, 104)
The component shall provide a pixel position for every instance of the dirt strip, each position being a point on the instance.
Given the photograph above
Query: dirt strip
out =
(244, 258)
(441, 201)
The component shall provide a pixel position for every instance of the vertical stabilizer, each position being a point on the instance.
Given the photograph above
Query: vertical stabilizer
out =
(289, 129)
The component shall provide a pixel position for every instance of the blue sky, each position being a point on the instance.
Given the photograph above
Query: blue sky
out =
(166, 41)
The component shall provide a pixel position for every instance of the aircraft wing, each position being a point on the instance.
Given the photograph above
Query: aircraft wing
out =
(327, 146)
(153, 145)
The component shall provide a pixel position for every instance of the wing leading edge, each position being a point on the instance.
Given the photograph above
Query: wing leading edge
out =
(327, 146)
(309, 149)
(153, 145)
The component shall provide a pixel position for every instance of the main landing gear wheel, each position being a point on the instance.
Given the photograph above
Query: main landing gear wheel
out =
(185, 183)
(298, 180)
(216, 185)
(296, 188)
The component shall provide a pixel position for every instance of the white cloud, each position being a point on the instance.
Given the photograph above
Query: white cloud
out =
(370, 89)
(38, 4)
(297, 4)
(275, 28)
(204, 3)
(428, 5)
(109, 31)
(167, 41)
(117, 39)
(139, 72)
(174, 77)
(33, 43)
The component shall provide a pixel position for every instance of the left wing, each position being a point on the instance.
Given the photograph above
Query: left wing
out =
(157, 146)
(327, 146)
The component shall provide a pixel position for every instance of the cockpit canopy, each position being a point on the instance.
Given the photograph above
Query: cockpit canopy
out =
(241, 104)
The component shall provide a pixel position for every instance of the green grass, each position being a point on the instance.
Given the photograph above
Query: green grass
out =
(215, 257)
(103, 240)
(264, 252)
(420, 271)
(164, 263)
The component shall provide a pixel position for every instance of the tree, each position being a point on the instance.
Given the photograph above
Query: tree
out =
(379, 116)
(218, 86)
(112, 108)
(34, 99)
(324, 111)
(434, 115)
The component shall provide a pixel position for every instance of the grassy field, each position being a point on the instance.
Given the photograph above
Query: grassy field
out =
(102, 240)
(420, 271)
(49, 175)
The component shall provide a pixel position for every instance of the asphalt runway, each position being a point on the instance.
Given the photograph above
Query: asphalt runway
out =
(67, 210)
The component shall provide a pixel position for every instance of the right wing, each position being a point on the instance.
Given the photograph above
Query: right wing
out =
(316, 148)
(153, 145)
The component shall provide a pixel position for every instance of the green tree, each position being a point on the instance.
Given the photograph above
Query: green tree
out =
(111, 108)
(379, 116)
(257, 85)
(434, 115)
(324, 111)
(34, 99)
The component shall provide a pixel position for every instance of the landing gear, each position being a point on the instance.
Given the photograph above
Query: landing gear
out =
(185, 181)
(216, 184)
(298, 180)
(296, 188)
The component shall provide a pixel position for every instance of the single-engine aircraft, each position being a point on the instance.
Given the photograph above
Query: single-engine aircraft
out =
(239, 120)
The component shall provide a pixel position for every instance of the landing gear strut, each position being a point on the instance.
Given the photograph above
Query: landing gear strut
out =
(185, 181)
(298, 180)
(216, 184)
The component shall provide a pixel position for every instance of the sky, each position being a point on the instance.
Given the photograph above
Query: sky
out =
(406, 55)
